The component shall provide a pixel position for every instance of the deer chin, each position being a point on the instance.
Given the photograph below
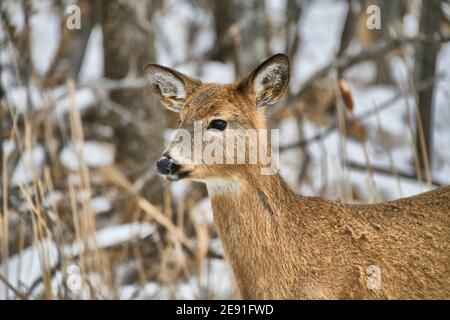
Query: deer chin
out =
(171, 177)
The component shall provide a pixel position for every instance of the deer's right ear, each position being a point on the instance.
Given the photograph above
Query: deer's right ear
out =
(171, 86)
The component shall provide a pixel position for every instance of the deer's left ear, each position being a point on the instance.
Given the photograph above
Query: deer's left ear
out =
(268, 82)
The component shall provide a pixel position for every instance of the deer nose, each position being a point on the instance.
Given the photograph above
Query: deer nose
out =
(166, 165)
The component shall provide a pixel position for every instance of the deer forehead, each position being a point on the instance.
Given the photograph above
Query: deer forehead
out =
(213, 99)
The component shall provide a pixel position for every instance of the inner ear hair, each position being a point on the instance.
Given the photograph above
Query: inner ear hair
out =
(270, 79)
(168, 85)
(171, 86)
(165, 81)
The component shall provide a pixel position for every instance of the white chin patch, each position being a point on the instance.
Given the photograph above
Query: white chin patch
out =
(221, 186)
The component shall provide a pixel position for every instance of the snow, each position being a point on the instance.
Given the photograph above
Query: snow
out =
(29, 166)
(173, 25)
(84, 98)
(276, 8)
(101, 204)
(17, 17)
(361, 73)
(320, 28)
(45, 33)
(179, 189)
(148, 290)
(216, 246)
(17, 97)
(9, 145)
(93, 153)
(215, 282)
(24, 268)
(93, 64)
(112, 236)
(410, 25)
(217, 72)
(441, 145)
(203, 212)
(289, 159)
(173, 31)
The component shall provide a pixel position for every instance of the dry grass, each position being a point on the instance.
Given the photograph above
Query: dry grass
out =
(57, 209)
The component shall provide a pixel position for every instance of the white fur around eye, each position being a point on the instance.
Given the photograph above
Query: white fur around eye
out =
(168, 84)
(272, 75)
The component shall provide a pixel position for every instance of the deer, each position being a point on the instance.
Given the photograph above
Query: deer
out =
(281, 245)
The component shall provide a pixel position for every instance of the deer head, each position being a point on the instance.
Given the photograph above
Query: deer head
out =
(212, 111)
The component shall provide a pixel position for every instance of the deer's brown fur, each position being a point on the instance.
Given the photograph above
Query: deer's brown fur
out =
(281, 245)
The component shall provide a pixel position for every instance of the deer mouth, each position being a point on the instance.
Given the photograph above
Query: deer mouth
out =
(175, 177)
(170, 169)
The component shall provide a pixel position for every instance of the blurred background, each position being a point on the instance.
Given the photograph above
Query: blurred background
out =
(83, 212)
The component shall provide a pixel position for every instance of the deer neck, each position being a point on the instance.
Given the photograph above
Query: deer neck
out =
(250, 213)
(268, 191)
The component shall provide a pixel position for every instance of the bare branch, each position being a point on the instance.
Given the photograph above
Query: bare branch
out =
(361, 167)
(384, 105)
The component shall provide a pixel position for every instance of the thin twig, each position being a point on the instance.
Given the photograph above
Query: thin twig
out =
(11, 287)
(361, 167)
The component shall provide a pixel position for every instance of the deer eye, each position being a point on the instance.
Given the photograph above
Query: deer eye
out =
(217, 124)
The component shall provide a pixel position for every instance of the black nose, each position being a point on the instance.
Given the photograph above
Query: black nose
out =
(166, 165)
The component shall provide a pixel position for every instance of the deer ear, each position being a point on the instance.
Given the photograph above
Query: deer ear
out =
(171, 86)
(268, 82)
